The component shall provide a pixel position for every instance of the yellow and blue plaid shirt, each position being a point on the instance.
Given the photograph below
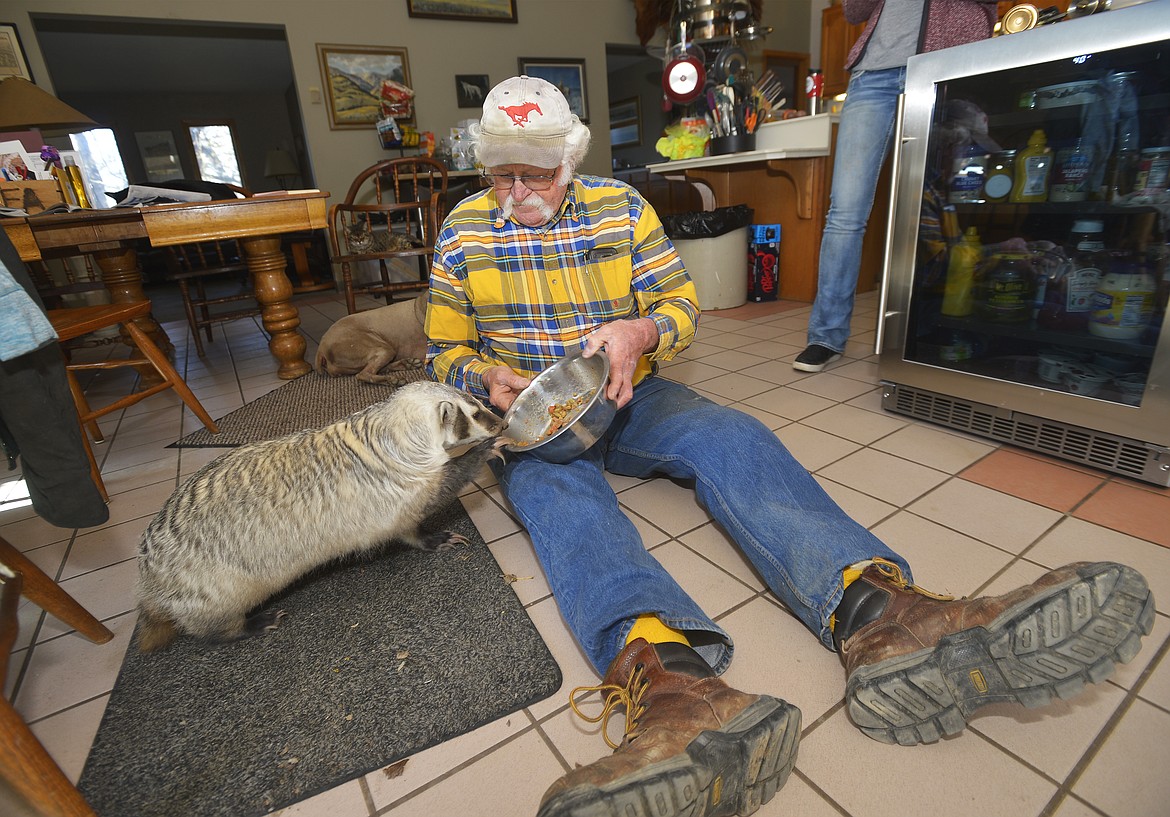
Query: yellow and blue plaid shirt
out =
(524, 297)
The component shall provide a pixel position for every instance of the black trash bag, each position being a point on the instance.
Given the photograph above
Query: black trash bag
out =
(707, 223)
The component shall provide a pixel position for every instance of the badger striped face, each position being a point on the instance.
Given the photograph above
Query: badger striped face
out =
(465, 421)
(441, 415)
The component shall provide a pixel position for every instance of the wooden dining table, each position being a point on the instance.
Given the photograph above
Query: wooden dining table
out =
(110, 237)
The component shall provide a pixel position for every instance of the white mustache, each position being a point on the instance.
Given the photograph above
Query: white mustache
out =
(531, 200)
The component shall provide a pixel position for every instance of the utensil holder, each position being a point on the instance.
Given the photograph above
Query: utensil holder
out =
(738, 143)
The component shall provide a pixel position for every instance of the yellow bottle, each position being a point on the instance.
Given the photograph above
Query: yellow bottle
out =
(1033, 167)
(959, 291)
(73, 174)
(65, 186)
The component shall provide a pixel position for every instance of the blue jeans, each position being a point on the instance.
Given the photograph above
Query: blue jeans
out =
(863, 139)
(603, 577)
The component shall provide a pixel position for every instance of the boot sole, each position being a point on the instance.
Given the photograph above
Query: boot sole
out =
(1044, 648)
(725, 772)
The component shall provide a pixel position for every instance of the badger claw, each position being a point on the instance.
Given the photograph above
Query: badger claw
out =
(264, 622)
(452, 540)
(441, 540)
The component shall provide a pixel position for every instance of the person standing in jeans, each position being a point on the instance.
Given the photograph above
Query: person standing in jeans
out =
(897, 29)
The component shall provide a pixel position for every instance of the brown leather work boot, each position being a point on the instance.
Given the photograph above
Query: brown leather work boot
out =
(918, 665)
(693, 745)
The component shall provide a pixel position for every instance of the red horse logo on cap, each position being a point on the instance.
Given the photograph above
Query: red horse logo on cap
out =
(519, 113)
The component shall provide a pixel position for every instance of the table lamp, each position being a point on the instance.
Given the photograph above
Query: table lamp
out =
(24, 106)
(279, 165)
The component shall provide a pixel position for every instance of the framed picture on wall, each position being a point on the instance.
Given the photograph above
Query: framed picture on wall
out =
(12, 60)
(625, 122)
(470, 89)
(568, 75)
(353, 76)
(485, 11)
(160, 157)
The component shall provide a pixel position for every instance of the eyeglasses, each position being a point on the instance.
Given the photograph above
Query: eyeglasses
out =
(505, 181)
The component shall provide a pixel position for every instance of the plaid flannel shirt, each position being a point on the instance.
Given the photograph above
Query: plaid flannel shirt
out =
(524, 297)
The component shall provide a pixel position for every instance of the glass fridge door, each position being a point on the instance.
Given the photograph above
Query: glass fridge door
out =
(1041, 254)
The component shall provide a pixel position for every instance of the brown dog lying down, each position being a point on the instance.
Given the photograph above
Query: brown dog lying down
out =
(364, 343)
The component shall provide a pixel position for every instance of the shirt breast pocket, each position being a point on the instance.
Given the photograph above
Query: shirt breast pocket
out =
(607, 283)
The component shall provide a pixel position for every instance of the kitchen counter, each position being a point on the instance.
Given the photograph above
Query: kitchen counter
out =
(800, 138)
(786, 181)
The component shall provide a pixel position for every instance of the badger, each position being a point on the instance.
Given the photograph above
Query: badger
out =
(364, 343)
(252, 521)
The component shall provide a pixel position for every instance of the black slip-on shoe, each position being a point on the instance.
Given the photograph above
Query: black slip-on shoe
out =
(815, 358)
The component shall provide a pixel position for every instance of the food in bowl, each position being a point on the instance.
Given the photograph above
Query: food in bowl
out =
(560, 415)
(563, 411)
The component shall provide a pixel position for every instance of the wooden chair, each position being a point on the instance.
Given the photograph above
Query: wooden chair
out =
(25, 766)
(60, 281)
(218, 264)
(212, 264)
(309, 252)
(73, 323)
(398, 198)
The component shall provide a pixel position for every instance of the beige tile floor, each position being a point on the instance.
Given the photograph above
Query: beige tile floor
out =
(1103, 753)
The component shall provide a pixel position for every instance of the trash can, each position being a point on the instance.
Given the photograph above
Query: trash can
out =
(713, 245)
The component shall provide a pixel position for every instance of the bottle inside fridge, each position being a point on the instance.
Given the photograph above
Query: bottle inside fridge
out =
(1069, 289)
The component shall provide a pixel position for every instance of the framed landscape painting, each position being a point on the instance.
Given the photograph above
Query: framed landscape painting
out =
(568, 75)
(485, 11)
(353, 76)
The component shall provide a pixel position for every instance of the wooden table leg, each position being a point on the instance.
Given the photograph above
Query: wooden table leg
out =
(266, 263)
(123, 279)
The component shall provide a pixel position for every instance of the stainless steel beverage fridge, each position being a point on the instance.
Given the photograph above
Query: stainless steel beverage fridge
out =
(1027, 274)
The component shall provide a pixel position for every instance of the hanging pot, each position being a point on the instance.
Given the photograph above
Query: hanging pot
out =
(752, 31)
(716, 19)
(730, 60)
(683, 79)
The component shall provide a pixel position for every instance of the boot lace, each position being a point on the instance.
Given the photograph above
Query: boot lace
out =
(628, 696)
(893, 574)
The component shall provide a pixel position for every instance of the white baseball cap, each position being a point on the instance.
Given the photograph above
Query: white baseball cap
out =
(526, 121)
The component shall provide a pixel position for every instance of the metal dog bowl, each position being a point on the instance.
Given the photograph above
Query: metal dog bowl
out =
(568, 379)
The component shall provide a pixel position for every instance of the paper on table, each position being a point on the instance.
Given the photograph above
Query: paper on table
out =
(138, 195)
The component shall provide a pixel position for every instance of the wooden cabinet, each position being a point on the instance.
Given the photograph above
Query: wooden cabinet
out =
(837, 37)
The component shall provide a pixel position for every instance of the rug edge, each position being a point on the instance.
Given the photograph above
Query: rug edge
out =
(535, 699)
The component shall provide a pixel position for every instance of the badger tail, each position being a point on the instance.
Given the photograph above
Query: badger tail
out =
(155, 630)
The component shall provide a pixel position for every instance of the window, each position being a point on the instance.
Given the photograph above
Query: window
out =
(215, 152)
(101, 161)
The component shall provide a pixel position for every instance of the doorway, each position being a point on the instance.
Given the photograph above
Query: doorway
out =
(145, 78)
(637, 118)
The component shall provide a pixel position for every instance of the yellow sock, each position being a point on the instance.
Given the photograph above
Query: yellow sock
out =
(848, 576)
(651, 628)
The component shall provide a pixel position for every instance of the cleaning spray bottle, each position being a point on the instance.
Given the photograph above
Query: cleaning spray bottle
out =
(959, 290)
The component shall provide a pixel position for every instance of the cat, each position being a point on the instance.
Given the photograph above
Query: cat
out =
(362, 240)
